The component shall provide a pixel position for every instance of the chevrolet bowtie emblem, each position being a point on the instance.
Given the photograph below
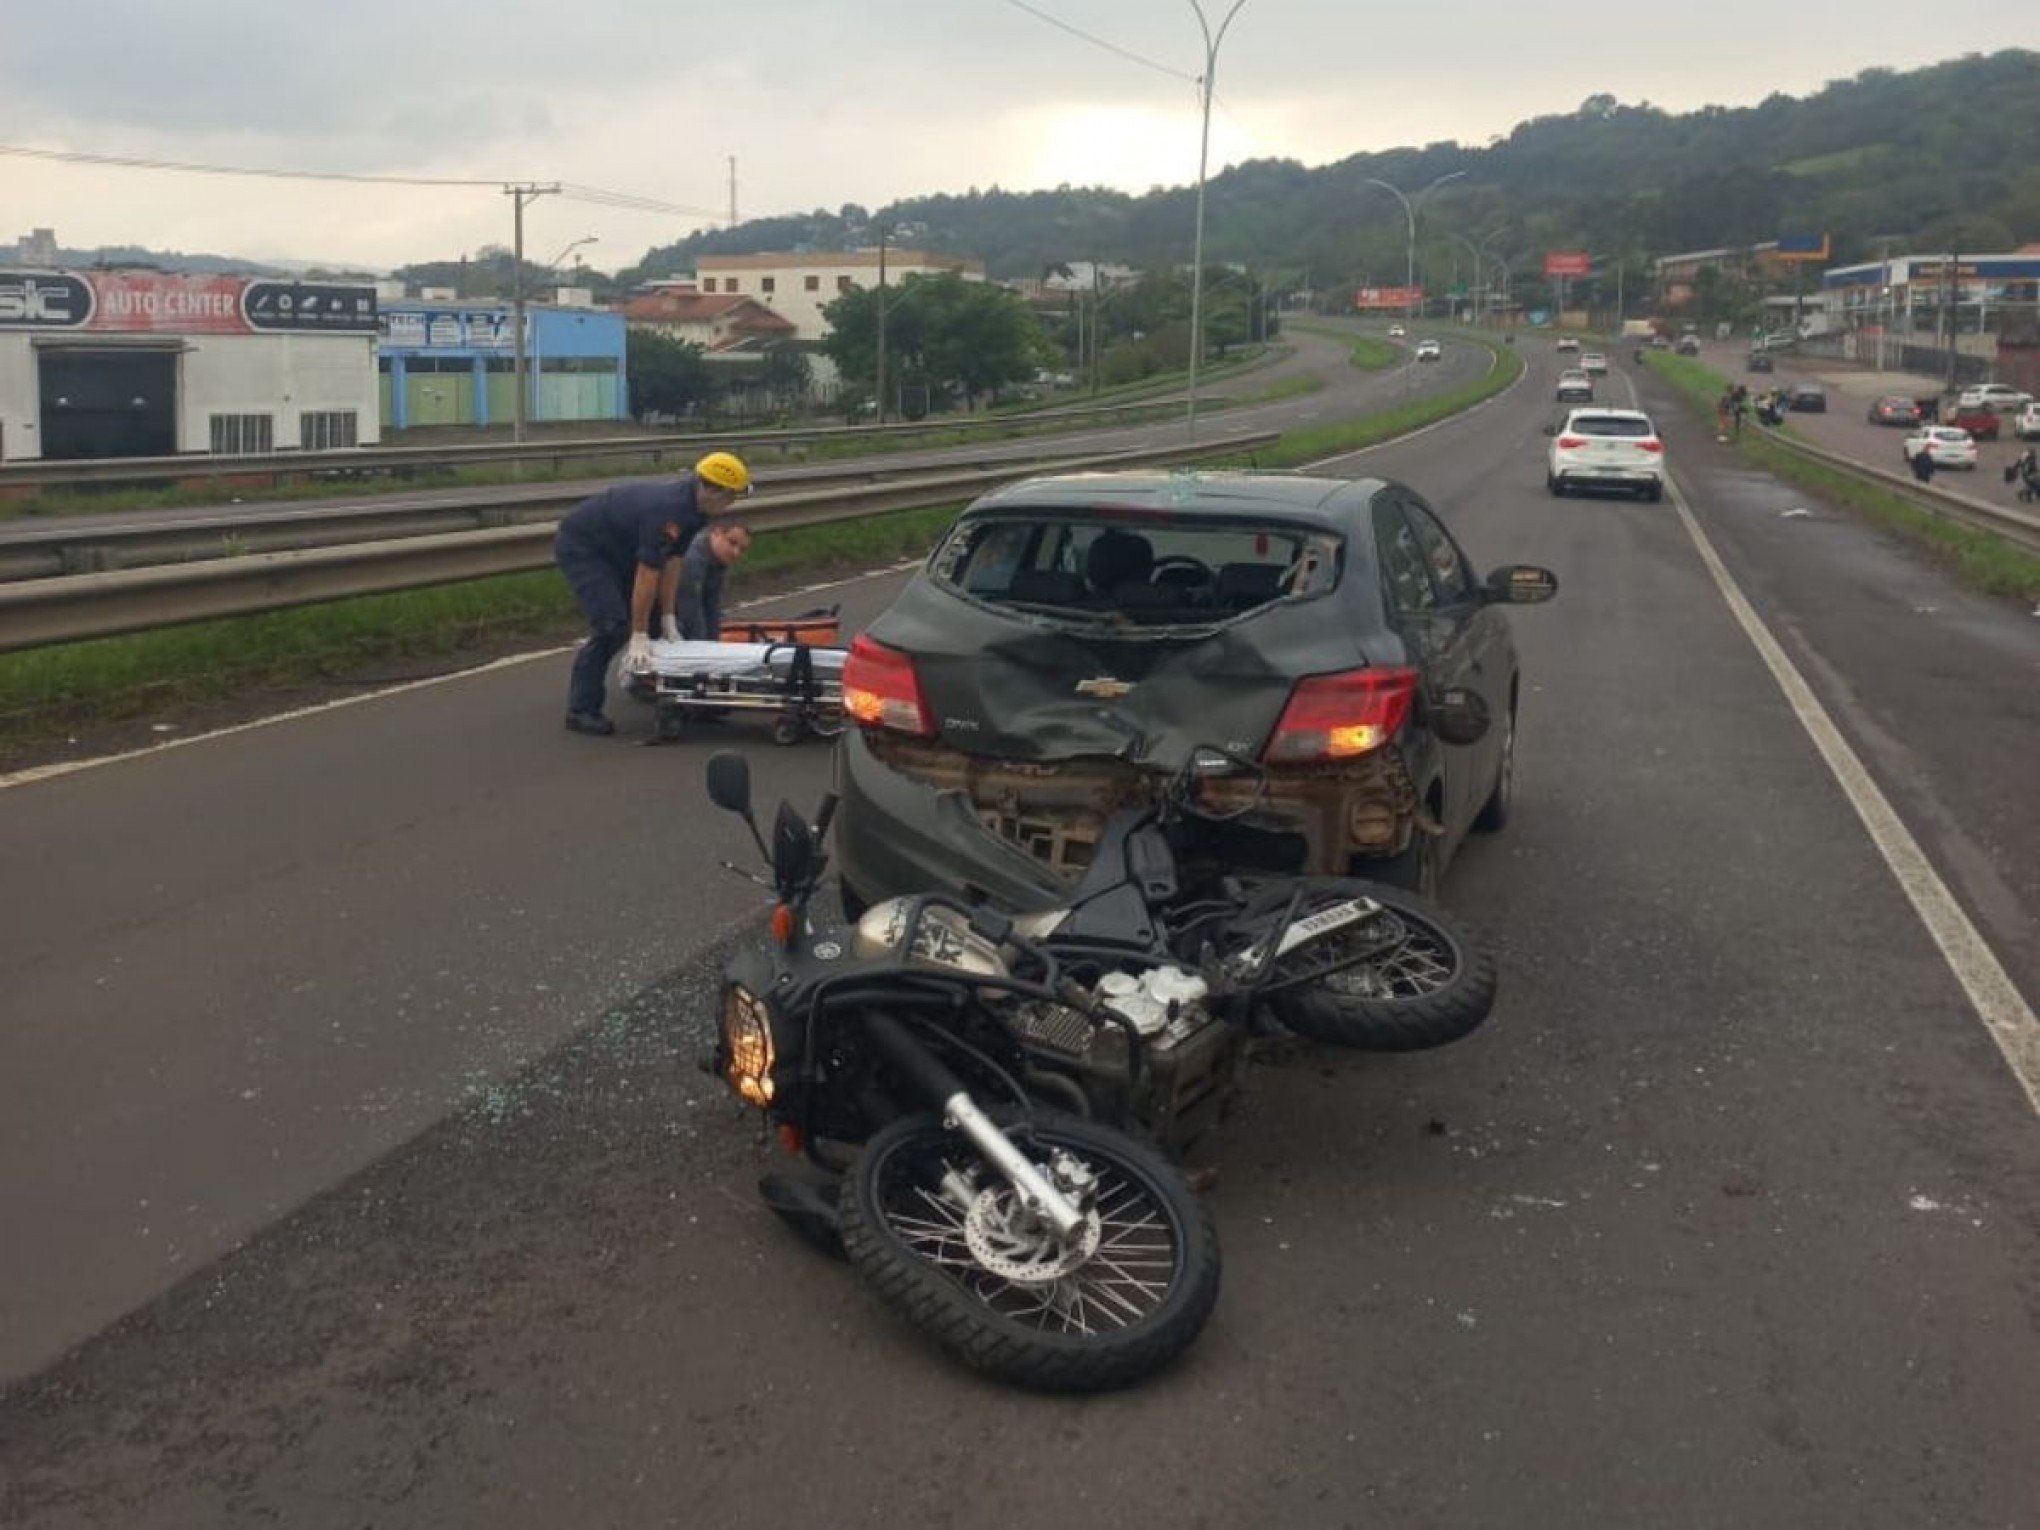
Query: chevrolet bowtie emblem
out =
(1105, 688)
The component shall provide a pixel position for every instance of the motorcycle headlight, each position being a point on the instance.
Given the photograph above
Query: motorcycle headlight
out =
(747, 1050)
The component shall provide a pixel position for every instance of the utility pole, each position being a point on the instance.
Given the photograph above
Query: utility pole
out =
(882, 231)
(733, 191)
(1951, 284)
(519, 195)
(1211, 46)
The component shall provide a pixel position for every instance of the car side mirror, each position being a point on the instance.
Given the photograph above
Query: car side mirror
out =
(1458, 715)
(1520, 584)
(729, 782)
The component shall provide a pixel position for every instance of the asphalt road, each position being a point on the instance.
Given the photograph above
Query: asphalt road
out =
(1730, 1217)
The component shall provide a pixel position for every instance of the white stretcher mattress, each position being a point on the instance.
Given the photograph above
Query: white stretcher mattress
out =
(686, 659)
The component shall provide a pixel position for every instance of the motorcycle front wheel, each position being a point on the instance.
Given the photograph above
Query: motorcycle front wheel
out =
(940, 1237)
(1425, 983)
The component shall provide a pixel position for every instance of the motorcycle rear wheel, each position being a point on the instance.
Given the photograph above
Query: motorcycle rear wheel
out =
(1432, 986)
(1076, 1324)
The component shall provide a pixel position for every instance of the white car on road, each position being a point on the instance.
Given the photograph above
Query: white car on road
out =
(1606, 449)
(1999, 396)
(1395, 332)
(1593, 363)
(1949, 446)
(1427, 350)
(2027, 426)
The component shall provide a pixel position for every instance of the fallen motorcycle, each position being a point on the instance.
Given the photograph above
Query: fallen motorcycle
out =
(970, 1089)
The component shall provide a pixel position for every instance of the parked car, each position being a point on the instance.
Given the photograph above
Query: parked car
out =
(1575, 386)
(1992, 396)
(1895, 409)
(1605, 449)
(1980, 421)
(1806, 398)
(1074, 641)
(1427, 350)
(2027, 426)
(1949, 446)
(1689, 345)
(1760, 361)
(1594, 363)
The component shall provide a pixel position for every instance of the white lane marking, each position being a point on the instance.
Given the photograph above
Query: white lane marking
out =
(71, 767)
(1991, 992)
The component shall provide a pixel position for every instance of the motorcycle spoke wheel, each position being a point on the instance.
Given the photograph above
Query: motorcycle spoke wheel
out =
(1428, 985)
(945, 1241)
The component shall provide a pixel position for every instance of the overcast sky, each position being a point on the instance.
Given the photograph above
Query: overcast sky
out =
(821, 102)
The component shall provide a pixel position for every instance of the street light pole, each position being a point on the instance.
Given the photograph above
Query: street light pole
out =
(1211, 46)
(519, 195)
(1410, 213)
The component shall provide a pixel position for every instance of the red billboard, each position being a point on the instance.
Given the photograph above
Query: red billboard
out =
(1568, 263)
(152, 302)
(1388, 297)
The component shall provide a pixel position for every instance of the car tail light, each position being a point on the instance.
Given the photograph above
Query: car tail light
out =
(1335, 717)
(881, 690)
(1571, 443)
(1650, 446)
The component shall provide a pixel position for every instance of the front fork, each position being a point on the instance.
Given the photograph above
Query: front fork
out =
(1038, 1193)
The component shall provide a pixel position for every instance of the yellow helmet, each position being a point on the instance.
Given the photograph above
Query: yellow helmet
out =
(725, 470)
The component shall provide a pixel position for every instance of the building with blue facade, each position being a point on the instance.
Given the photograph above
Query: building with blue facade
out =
(451, 363)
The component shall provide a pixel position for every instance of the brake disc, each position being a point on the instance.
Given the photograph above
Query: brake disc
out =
(1017, 1246)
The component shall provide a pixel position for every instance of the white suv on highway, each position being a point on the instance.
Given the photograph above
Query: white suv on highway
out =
(2027, 426)
(1427, 350)
(1606, 449)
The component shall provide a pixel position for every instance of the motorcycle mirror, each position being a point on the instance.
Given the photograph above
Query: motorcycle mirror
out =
(1458, 715)
(793, 850)
(1521, 584)
(729, 782)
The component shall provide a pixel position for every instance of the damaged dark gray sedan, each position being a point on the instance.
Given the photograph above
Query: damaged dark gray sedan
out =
(1075, 640)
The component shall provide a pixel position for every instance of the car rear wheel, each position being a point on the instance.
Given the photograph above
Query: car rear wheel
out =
(1553, 486)
(1494, 813)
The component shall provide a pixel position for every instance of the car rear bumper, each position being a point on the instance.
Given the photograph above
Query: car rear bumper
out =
(1611, 477)
(917, 815)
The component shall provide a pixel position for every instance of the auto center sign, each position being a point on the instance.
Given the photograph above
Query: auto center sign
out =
(160, 303)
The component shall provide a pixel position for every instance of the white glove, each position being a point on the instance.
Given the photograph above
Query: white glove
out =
(669, 629)
(638, 658)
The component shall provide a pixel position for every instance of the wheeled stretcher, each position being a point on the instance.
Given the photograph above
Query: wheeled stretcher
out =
(791, 669)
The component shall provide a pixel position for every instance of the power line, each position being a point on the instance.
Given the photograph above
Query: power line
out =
(1099, 42)
(623, 200)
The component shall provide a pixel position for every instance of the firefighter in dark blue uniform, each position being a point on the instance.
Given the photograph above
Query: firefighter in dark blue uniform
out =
(613, 548)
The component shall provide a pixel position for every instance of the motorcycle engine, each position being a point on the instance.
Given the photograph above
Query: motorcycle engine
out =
(1165, 1004)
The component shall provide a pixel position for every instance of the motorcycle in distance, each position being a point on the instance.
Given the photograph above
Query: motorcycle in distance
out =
(969, 1088)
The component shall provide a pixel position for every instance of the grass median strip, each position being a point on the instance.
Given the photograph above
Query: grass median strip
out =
(1980, 560)
(47, 691)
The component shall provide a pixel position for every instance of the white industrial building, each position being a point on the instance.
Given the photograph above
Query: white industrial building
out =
(154, 364)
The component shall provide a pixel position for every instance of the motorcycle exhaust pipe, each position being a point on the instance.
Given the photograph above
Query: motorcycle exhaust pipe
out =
(961, 1112)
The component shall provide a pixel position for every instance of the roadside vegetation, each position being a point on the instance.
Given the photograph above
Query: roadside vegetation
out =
(1980, 560)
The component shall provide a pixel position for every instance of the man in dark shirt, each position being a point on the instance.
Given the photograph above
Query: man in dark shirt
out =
(691, 591)
(613, 548)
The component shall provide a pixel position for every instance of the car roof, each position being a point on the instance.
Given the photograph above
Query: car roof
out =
(1216, 494)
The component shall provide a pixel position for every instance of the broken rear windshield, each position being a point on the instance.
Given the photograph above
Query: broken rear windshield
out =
(1609, 425)
(1147, 572)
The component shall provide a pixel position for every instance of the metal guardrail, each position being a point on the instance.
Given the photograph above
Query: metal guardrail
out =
(39, 612)
(358, 461)
(46, 549)
(2014, 525)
